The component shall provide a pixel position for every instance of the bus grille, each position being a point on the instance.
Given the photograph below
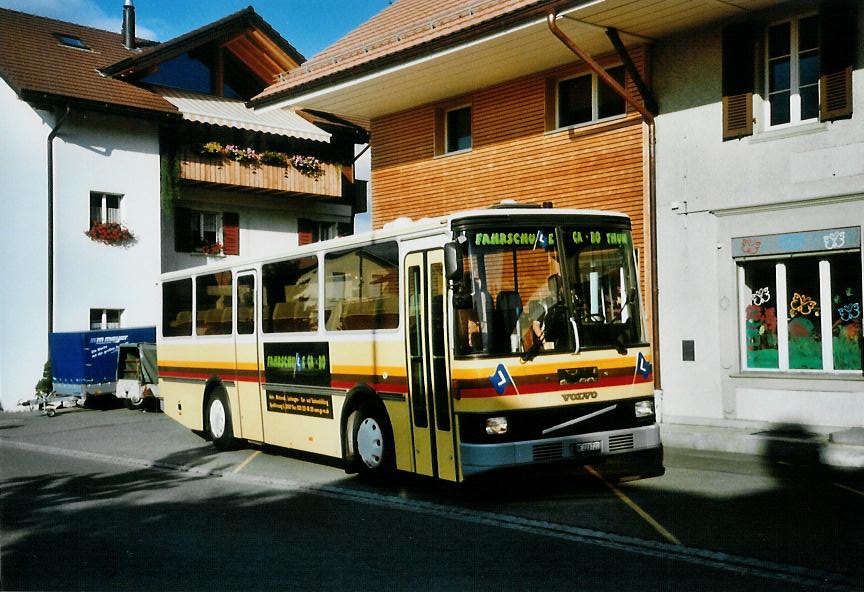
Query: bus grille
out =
(551, 451)
(620, 442)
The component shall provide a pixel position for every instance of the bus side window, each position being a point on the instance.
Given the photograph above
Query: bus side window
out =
(177, 308)
(362, 288)
(290, 296)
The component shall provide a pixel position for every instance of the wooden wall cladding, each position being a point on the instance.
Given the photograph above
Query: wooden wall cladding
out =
(514, 156)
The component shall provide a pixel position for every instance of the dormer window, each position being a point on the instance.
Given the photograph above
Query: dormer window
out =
(71, 41)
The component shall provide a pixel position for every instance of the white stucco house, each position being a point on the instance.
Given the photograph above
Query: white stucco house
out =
(105, 186)
(760, 184)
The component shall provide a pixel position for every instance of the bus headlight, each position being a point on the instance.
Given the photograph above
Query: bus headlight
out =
(496, 426)
(644, 409)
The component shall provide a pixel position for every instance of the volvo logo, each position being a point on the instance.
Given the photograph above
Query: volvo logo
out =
(579, 396)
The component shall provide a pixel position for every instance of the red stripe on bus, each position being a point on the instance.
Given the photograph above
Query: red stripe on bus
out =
(205, 375)
(551, 387)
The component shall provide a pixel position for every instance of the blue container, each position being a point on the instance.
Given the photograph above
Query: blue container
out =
(85, 362)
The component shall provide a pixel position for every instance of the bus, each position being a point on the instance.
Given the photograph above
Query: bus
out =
(451, 347)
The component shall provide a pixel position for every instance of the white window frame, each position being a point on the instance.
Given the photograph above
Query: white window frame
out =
(103, 196)
(220, 227)
(595, 100)
(447, 113)
(103, 324)
(794, 75)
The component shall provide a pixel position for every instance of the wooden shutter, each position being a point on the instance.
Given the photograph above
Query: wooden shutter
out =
(183, 242)
(231, 233)
(305, 232)
(838, 31)
(738, 81)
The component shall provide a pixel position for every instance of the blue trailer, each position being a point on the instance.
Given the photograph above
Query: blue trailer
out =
(85, 362)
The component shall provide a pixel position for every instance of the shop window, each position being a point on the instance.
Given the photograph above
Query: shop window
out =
(587, 99)
(104, 208)
(105, 318)
(801, 310)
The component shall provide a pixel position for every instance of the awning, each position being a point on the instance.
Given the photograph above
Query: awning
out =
(234, 113)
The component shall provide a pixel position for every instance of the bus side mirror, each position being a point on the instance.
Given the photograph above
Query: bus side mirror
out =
(453, 262)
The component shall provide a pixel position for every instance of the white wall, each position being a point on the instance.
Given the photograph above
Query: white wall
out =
(111, 155)
(92, 153)
(23, 249)
(805, 178)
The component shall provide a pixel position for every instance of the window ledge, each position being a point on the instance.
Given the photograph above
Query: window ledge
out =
(784, 375)
(594, 127)
(790, 131)
(454, 152)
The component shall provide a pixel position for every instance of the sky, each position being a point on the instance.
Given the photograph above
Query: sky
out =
(308, 25)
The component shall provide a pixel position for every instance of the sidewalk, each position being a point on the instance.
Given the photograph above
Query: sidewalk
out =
(841, 449)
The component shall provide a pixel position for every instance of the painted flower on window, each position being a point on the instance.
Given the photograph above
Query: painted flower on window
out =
(110, 233)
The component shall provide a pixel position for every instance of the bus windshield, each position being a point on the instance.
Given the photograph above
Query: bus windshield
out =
(552, 289)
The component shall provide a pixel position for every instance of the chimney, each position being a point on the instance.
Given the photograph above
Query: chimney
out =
(128, 30)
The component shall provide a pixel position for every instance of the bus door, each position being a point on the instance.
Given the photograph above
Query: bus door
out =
(246, 356)
(428, 380)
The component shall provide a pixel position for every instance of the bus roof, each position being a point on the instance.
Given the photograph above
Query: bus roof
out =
(404, 228)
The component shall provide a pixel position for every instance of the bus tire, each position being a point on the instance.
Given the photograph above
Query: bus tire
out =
(217, 421)
(371, 441)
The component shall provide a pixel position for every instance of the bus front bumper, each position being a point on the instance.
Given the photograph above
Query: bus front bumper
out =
(642, 443)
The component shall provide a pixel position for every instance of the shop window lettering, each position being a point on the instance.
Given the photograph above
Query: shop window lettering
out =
(835, 240)
(803, 305)
(751, 246)
(849, 312)
(761, 296)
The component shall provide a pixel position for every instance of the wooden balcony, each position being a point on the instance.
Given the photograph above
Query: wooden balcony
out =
(229, 174)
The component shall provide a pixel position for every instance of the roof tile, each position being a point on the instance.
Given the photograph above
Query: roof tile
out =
(33, 62)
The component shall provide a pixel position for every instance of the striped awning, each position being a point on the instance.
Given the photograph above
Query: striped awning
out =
(234, 113)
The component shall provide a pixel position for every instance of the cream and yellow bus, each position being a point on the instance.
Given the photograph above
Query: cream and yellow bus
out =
(449, 347)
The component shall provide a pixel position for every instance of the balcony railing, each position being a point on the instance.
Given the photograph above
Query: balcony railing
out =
(227, 173)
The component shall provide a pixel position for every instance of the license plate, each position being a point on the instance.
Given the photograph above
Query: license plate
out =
(586, 447)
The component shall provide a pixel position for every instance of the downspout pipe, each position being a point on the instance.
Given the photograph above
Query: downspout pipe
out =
(648, 118)
(50, 146)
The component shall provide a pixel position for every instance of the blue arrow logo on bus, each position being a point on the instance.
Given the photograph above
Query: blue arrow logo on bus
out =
(501, 379)
(643, 366)
(541, 239)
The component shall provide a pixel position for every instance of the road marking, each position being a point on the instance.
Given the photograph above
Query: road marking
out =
(739, 564)
(849, 489)
(243, 465)
(635, 507)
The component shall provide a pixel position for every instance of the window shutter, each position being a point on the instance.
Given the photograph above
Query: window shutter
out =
(838, 21)
(182, 230)
(231, 233)
(738, 80)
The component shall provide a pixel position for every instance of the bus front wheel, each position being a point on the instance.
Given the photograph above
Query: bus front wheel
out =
(371, 441)
(218, 421)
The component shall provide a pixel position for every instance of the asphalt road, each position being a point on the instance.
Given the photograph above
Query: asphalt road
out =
(116, 499)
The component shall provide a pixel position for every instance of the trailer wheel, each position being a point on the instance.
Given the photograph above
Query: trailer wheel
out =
(134, 402)
(217, 420)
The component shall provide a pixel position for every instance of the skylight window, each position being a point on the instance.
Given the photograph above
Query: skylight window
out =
(71, 41)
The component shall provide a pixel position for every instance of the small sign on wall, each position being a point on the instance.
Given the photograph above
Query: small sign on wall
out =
(688, 350)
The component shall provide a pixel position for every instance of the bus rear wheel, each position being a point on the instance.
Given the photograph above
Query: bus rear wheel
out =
(218, 424)
(371, 442)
